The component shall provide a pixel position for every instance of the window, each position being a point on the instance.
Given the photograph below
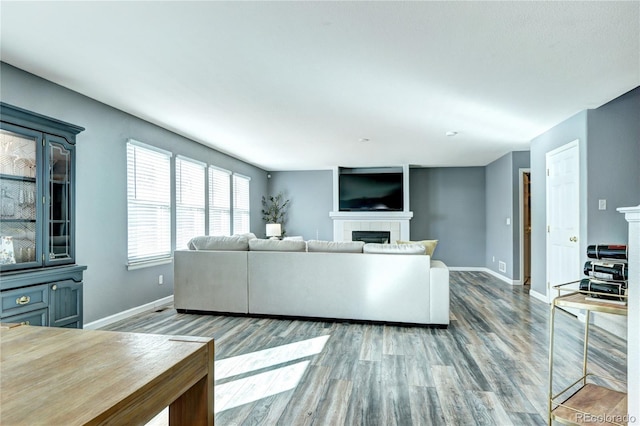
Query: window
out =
(148, 204)
(241, 212)
(190, 200)
(219, 201)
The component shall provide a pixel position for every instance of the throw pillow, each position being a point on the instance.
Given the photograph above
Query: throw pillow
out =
(429, 245)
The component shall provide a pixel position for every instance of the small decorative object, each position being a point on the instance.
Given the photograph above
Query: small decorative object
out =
(274, 230)
(607, 251)
(7, 255)
(274, 211)
(607, 274)
(8, 204)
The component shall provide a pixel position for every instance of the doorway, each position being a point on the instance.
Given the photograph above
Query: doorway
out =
(563, 216)
(525, 226)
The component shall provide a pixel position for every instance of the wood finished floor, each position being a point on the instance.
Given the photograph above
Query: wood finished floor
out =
(489, 367)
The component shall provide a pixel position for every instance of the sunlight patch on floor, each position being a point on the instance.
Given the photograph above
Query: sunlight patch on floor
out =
(253, 361)
(234, 393)
(258, 386)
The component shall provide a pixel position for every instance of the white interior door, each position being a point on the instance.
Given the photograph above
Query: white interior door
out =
(563, 216)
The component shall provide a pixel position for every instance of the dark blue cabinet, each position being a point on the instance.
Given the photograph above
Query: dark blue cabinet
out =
(37, 218)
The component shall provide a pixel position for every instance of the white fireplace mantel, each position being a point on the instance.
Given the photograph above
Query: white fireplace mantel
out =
(363, 216)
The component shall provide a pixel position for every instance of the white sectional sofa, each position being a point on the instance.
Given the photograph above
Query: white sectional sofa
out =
(329, 281)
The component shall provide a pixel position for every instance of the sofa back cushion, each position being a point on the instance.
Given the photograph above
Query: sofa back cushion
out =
(209, 242)
(394, 248)
(429, 245)
(335, 246)
(277, 245)
(247, 235)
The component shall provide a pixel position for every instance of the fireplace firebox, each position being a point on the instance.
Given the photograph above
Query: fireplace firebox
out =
(380, 237)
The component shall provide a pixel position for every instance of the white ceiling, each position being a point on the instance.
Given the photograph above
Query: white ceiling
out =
(296, 85)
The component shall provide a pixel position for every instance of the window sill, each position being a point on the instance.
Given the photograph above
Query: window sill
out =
(148, 263)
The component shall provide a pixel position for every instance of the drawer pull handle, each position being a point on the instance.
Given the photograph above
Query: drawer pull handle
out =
(25, 323)
(54, 287)
(23, 300)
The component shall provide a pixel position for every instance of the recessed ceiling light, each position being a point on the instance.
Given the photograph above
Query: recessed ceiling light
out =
(364, 139)
(451, 133)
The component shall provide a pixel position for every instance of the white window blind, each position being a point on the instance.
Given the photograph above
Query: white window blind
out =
(219, 201)
(190, 200)
(241, 211)
(148, 203)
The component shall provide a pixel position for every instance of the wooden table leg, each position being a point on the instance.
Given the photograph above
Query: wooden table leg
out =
(195, 406)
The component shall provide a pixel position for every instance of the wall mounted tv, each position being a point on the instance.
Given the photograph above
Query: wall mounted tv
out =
(370, 191)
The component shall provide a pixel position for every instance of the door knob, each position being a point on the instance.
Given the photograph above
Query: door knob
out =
(573, 239)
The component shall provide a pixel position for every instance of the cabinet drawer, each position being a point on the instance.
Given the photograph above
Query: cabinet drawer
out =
(22, 300)
(38, 317)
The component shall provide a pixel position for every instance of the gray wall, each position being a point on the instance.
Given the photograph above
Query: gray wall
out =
(609, 156)
(565, 132)
(499, 207)
(613, 160)
(101, 208)
(311, 199)
(448, 204)
(503, 202)
(519, 160)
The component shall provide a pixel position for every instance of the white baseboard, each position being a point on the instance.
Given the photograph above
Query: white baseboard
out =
(488, 271)
(541, 297)
(103, 322)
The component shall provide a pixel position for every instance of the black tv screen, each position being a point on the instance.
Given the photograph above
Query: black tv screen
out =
(370, 192)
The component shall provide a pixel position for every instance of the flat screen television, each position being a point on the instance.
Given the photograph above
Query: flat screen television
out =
(370, 192)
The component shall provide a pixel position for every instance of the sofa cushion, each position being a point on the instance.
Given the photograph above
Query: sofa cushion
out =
(335, 246)
(394, 248)
(277, 245)
(248, 235)
(210, 242)
(429, 245)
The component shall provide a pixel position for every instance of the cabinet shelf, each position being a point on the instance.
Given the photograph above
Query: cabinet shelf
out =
(581, 300)
(592, 405)
(18, 220)
(18, 178)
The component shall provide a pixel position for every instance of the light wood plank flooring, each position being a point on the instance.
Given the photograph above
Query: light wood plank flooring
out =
(489, 367)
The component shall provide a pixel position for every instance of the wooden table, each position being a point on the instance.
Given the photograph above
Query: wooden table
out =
(59, 376)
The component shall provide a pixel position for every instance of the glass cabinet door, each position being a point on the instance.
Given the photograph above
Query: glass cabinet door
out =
(58, 201)
(19, 195)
